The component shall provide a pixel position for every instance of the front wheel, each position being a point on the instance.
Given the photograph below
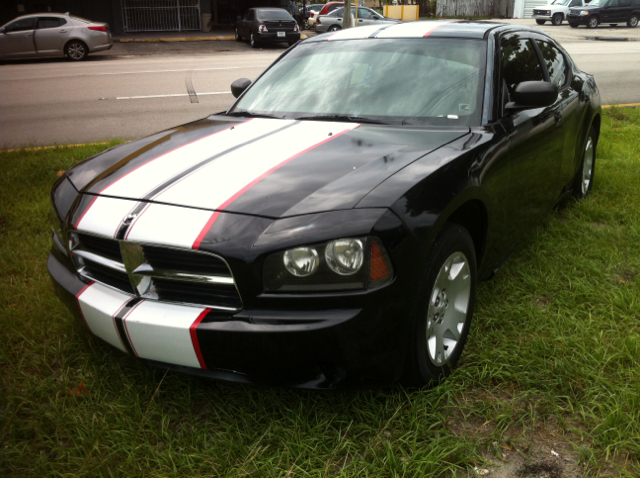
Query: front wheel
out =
(541, 22)
(583, 182)
(76, 51)
(557, 19)
(334, 28)
(252, 41)
(573, 25)
(238, 36)
(593, 22)
(633, 21)
(443, 310)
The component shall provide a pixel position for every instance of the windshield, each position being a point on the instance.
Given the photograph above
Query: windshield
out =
(417, 81)
(273, 15)
(596, 3)
(560, 2)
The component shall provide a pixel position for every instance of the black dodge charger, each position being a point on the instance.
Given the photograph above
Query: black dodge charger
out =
(331, 230)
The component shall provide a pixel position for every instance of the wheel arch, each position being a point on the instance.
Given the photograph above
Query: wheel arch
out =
(473, 216)
(66, 44)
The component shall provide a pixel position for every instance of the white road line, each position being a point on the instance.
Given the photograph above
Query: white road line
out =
(175, 94)
(160, 71)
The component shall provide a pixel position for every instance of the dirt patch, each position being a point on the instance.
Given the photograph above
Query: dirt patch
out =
(551, 468)
(542, 302)
(618, 114)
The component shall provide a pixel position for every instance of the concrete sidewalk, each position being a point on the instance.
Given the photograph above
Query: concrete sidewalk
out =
(170, 37)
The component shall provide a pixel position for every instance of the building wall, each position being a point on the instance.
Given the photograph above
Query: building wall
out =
(468, 8)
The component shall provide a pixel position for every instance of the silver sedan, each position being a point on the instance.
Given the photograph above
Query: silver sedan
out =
(366, 16)
(53, 35)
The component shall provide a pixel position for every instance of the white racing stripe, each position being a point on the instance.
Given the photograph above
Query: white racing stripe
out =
(354, 33)
(99, 304)
(172, 95)
(412, 29)
(211, 186)
(104, 215)
(153, 173)
(160, 332)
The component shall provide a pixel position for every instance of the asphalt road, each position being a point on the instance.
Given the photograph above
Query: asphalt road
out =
(57, 102)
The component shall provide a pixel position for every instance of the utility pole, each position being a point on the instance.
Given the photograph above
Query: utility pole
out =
(346, 19)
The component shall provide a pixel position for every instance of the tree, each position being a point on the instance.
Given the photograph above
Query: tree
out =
(346, 22)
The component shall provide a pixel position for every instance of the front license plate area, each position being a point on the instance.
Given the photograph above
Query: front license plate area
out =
(281, 34)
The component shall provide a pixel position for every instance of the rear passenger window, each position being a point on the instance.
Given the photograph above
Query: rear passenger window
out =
(556, 64)
(519, 62)
(50, 22)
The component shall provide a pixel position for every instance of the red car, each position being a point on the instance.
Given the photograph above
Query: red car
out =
(329, 7)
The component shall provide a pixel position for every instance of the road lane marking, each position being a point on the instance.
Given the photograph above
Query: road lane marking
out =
(160, 71)
(173, 95)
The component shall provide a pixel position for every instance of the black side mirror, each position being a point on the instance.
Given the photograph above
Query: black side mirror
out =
(533, 94)
(238, 86)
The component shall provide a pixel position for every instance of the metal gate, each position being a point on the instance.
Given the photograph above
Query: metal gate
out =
(160, 15)
(529, 5)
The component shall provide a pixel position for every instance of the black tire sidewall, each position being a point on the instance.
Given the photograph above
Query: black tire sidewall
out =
(419, 370)
(589, 23)
(541, 22)
(553, 19)
(630, 21)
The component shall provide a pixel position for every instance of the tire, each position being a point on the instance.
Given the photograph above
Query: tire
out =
(541, 22)
(433, 348)
(238, 37)
(306, 25)
(633, 21)
(76, 50)
(593, 22)
(573, 25)
(556, 20)
(613, 24)
(252, 42)
(334, 28)
(583, 181)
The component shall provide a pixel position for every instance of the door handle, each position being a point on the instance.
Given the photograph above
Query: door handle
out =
(62, 31)
(558, 117)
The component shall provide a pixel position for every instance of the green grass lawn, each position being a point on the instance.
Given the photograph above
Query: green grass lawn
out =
(553, 362)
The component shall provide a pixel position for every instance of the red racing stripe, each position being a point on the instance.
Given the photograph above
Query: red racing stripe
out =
(439, 26)
(146, 163)
(79, 307)
(194, 337)
(214, 216)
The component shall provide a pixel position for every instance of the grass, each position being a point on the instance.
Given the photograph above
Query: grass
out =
(553, 362)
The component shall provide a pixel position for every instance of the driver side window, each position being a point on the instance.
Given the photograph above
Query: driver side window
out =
(519, 62)
(21, 25)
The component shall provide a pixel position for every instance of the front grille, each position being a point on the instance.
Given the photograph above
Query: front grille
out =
(156, 272)
(187, 261)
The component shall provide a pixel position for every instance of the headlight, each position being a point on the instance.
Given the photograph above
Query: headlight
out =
(584, 12)
(340, 265)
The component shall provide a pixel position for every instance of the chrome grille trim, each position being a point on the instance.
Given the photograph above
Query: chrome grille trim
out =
(141, 274)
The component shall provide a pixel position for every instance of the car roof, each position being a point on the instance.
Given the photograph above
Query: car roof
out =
(430, 28)
(42, 14)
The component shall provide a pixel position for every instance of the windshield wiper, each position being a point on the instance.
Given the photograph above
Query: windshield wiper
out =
(356, 119)
(246, 113)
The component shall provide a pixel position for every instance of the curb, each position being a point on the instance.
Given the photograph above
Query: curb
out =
(623, 105)
(180, 39)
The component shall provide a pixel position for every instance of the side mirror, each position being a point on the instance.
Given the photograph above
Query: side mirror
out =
(238, 86)
(533, 94)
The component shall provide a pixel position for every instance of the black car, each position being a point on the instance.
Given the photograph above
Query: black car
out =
(612, 12)
(333, 223)
(262, 25)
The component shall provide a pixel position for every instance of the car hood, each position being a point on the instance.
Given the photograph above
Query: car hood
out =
(264, 167)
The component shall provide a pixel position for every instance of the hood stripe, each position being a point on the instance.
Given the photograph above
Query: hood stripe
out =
(123, 230)
(214, 216)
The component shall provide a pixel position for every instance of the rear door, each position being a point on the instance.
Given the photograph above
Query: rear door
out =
(50, 35)
(624, 10)
(17, 40)
(610, 12)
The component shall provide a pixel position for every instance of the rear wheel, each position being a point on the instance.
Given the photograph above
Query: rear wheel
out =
(557, 19)
(443, 310)
(573, 25)
(541, 22)
(633, 21)
(76, 50)
(253, 42)
(334, 28)
(593, 22)
(583, 182)
(238, 37)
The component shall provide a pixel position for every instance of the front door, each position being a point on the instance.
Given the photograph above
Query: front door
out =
(17, 39)
(50, 35)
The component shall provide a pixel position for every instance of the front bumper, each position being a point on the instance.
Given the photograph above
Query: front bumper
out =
(299, 347)
(272, 37)
(578, 19)
(541, 17)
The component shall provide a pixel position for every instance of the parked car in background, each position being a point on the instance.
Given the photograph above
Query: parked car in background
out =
(53, 35)
(366, 16)
(330, 7)
(612, 12)
(262, 25)
(332, 224)
(556, 11)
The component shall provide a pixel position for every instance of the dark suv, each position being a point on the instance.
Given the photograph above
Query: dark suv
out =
(612, 12)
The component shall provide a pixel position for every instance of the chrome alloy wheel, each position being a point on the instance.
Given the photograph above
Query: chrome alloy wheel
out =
(76, 51)
(448, 306)
(587, 167)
